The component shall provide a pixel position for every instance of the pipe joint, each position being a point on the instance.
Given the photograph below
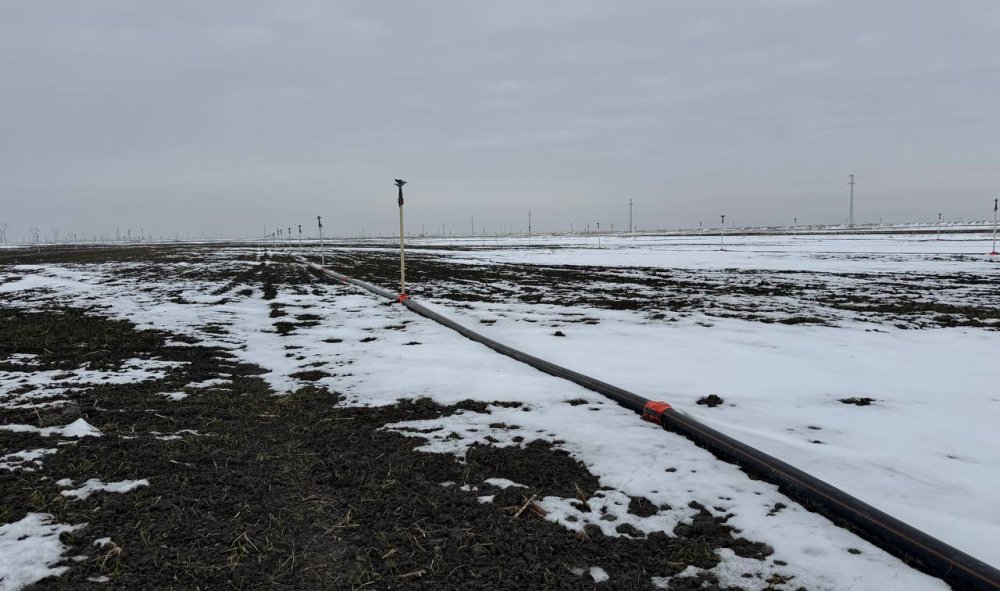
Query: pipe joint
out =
(653, 411)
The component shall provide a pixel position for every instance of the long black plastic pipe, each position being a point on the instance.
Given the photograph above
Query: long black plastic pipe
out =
(912, 546)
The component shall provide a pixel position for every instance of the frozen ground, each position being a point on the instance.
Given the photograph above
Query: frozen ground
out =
(846, 253)
(925, 451)
(922, 451)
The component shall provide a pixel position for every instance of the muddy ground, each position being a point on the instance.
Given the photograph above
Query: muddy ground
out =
(248, 489)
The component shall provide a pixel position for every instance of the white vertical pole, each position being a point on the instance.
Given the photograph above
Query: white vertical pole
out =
(322, 257)
(995, 227)
(402, 253)
(402, 243)
(850, 215)
(722, 233)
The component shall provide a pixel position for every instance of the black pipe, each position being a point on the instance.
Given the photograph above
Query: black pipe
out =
(912, 546)
(344, 278)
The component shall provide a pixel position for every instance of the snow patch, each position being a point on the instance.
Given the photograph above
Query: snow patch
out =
(503, 483)
(599, 574)
(78, 428)
(30, 549)
(209, 383)
(94, 485)
(27, 460)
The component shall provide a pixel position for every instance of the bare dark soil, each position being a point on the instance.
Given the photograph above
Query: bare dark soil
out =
(711, 401)
(858, 400)
(263, 491)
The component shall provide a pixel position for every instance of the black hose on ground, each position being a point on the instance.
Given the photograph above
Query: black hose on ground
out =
(912, 546)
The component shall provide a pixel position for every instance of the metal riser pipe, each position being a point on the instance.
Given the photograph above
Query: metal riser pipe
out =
(907, 543)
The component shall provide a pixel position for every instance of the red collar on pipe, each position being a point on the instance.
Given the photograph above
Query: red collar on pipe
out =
(654, 410)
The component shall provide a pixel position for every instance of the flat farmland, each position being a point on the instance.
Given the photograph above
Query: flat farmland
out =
(184, 415)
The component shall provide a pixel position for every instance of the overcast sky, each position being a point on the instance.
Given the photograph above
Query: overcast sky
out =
(197, 116)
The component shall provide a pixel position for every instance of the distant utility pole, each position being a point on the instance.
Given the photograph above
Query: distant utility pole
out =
(289, 235)
(722, 233)
(994, 251)
(300, 236)
(939, 227)
(795, 221)
(629, 216)
(529, 227)
(322, 257)
(850, 215)
(598, 234)
(700, 230)
(472, 226)
(402, 245)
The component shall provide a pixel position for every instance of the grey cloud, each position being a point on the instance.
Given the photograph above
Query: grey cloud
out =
(223, 116)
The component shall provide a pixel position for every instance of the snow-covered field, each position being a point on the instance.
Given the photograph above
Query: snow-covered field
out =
(925, 450)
